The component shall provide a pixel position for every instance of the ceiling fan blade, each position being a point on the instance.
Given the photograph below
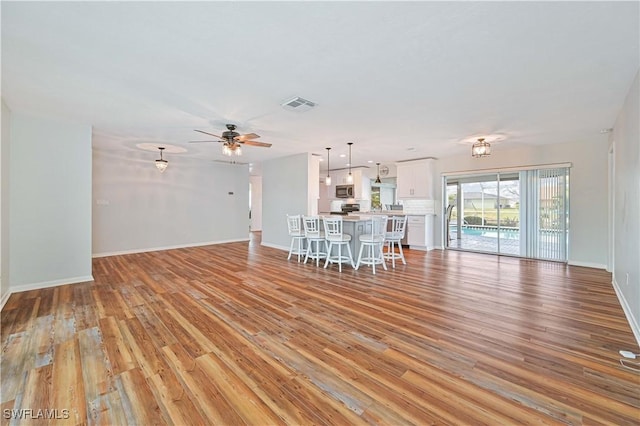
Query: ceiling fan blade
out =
(203, 141)
(256, 143)
(207, 133)
(247, 137)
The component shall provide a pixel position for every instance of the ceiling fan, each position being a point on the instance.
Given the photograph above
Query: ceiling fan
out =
(232, 140)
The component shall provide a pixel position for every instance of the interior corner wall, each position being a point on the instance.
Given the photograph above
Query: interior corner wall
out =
(626, 209)
(256, 203)
(285, 190)
(4, 203)
(587, 194)
(49, 202)
(194, 202)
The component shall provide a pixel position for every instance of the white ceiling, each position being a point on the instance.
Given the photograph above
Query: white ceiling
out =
(400, 80)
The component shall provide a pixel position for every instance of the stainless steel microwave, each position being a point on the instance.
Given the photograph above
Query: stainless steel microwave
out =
(344, 191)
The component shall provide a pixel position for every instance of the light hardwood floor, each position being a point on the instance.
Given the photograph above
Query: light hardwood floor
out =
(236, 334)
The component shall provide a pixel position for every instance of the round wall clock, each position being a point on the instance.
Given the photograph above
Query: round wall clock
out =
(384, 170)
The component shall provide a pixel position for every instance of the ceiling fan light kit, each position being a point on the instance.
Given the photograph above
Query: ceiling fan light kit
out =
(161, 163)
(232, 141)
(481, 148)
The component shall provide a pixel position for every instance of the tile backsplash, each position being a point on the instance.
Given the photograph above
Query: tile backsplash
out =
(418, 206)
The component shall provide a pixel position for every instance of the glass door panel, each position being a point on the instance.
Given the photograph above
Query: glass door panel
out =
(521, 213)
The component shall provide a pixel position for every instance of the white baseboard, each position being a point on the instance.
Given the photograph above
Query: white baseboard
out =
(275, 246)
(208, 243)
(587, 264)
(44, 284)
(635, 328)
(4, 299)
(47, 284)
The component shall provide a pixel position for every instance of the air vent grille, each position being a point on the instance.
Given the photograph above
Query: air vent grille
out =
(298, 104)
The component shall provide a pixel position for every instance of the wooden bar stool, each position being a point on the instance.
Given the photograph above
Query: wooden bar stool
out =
(335, 236)
(313, 234)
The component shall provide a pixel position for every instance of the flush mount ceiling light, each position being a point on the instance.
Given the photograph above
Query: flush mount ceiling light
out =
(327, 180)
(378, 176)
(481, 148)
(161, 163)
(349, 176)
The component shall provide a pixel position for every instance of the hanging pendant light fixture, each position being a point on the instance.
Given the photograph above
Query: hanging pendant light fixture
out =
(481, 148)
(378, 176)
(327, 180)
(349, 176)
(161, 163)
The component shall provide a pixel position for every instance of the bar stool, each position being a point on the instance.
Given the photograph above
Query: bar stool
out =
(294, 223)
(313, 234)
(335, 236)
(393, 237)
(374, 243)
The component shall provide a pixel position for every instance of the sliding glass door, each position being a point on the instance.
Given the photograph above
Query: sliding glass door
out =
(518, 213)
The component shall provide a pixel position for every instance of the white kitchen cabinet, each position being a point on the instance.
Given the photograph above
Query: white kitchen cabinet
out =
(415, 180)
(420, 232)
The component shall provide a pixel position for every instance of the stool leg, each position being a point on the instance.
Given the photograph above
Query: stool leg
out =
(291, 248)
(306, 257)
(359, 256)
(401, 253)
(372, 257)
(339, 257)
(393, 253)
(384, 264)
(350, 256)
(328, 254)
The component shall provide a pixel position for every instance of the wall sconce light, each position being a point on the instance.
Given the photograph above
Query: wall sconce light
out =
(481, 148)
(161, 163)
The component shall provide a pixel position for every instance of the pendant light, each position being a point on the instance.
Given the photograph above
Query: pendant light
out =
(349, 176)
(161, 164)
(378, 176)
(327, 180)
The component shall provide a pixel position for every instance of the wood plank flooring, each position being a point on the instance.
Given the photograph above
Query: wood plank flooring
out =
(236, 334)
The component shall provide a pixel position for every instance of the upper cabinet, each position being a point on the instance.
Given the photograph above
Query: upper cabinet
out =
(415, 179)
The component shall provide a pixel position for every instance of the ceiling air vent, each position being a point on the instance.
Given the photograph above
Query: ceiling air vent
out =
(298, 104)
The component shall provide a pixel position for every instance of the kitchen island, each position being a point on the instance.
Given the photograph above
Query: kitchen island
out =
(419, 234)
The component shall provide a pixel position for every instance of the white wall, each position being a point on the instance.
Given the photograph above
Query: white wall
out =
(626, 209)
(137, 208)
(50, 202)
(4, 203)
(285, 190)
(256, 203)
(587, 197)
